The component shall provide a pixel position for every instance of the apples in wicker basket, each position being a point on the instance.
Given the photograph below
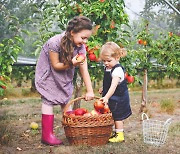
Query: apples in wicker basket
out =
(99, 108)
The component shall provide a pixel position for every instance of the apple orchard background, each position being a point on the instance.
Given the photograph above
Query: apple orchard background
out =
(152, 64)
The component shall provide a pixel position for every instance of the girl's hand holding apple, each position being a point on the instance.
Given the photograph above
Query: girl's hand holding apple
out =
(78, 59)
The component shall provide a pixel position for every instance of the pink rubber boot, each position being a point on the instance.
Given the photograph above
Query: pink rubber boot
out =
(47, 131)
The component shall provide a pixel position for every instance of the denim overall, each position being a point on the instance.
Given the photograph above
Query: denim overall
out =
(119, 102)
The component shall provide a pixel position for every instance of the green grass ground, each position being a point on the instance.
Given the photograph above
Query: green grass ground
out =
(16, 114)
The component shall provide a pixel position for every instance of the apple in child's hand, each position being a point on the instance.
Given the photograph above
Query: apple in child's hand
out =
(98, 105)
(106, 109)
(80, 111)
(81, 57)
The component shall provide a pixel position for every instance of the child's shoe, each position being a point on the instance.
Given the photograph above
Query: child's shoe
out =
(119, 137)
(113, 134)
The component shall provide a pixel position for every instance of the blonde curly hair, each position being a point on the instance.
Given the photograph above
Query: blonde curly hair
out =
(112, 49)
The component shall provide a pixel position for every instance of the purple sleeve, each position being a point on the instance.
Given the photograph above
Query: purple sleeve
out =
(54, 43)
(83, 49)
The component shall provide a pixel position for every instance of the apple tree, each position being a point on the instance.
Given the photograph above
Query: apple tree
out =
(10, 46)
(109, 20)
(156, 53)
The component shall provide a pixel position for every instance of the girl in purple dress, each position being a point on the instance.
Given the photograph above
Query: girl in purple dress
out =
(55, 71)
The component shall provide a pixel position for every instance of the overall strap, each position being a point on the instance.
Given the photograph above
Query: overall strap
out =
(117, 65)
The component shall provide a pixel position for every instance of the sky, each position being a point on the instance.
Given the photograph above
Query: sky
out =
(134, 6)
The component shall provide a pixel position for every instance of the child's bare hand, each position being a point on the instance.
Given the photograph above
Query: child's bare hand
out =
(77, 60)
(104, 100)
(89, 96)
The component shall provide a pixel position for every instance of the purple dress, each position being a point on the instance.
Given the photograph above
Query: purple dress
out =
(55, 87)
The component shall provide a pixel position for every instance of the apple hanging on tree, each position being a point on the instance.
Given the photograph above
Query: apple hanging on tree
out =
(92, 57)
(140, 41)
(130, 79)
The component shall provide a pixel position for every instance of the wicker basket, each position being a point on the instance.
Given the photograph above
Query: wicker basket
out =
(91, 130)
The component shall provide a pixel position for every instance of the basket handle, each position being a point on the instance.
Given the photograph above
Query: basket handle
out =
(75, 100)
(168, 121)
(144, 114)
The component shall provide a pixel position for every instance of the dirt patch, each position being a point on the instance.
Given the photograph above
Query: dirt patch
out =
(17, 137)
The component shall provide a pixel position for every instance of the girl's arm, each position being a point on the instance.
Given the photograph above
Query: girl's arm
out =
(57, 65)
(86, 78)
(114, 83)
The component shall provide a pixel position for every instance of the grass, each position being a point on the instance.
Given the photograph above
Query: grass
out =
(6, 135)
(167, 105)
(16, 114)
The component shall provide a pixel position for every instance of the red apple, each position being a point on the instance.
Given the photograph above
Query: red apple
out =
(80, 111)
(140, 41)
(1, 78)
(92, 57)
(112, 25)
(106, 109)
(87, 114)
(72, 115)
(130, 79)
(125, 75)
(94, 112)
(70, 112)
(170, 34)
(98, 105)
(2, 86)
(86, 46)
(81, 57)
(145, 43)
(91, 51)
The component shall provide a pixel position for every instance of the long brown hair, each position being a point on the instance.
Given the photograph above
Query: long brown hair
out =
(75, 25)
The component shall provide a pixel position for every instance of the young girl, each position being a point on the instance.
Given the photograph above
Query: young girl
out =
(55, 71)
(115, 91)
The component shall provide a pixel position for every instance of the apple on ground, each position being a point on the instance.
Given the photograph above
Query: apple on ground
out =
(34, 125)
(81, 57)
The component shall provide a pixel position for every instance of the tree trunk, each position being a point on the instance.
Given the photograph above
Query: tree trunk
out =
(144, 93)
(78, 90)
(33, 87)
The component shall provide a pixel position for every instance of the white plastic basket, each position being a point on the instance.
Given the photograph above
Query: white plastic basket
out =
(155, 131)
